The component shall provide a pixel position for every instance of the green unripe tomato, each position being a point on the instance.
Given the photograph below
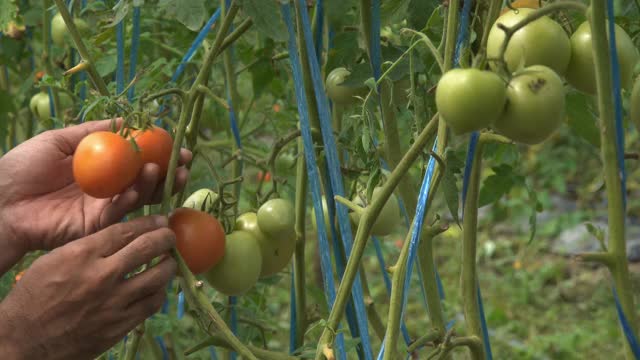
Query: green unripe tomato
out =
(470, 99)
(60, 33)
(535, 106)
(239, 269)
(40, 104)
(581, 73)
(634, 108)
(340, 94)
(202, 199)
(276, 252)
(276, 218)
(389, 217)
(542, 42)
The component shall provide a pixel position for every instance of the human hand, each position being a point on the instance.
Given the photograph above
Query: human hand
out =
(75, 303)
(42, 207)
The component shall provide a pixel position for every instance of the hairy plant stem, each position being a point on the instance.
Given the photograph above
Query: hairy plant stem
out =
(364, 232)
(97, 80)
(46, 60)
(615, 203)
(259, 353)
(299, 274)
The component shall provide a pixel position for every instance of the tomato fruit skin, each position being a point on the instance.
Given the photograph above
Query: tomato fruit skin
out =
(39, 104)
(388, 218)
(60, 33)
(634, 109)
(542, 42)
(470, 99)
(200, 238)
(239, 269)
(202, 199)
(155, 145)
(276, 251)
(535, 106)
(105, 164)
(276, 218)
(581, 73)
(339, 94)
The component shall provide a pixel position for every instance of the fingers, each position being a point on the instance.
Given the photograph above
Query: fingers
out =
(143, 249)
(185, 156)
(145, 307)
(116, 237)
(68, 138)
(150, 281)
(182, 175)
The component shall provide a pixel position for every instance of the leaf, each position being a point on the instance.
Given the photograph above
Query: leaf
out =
(344, 51)
(266, 17)
(261, 75)
(598, 233)
(8, 12)
(498, 184)
(373, 181)
(582, 120)
(420, 12)
(391, 54)
(336, 10)
(191, 13)
(393, 11)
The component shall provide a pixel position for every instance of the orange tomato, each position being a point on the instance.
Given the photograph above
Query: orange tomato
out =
(155, 145)
(264, 176)
(200, 238)
(531, 4)
(105, 164)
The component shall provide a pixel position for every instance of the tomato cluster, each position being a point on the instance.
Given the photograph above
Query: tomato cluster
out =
(102, 154)
(529, 104)
(260, 245)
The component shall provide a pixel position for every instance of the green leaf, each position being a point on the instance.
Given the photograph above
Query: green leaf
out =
(261, 75)
(336, 12)
(498, 184)
(391, 54)
(266, 17)
(344, 52)
(191, 13)
(373, 181)
(420, 12)
(582, 119)
(8, 12)
(393, 11)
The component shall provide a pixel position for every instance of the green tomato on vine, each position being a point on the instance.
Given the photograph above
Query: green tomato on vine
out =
(341, 94)
(470, 99)
(60, 33)
(581, 73)
(389, 217)
(40, 105)
(535, 106)
(541, 42)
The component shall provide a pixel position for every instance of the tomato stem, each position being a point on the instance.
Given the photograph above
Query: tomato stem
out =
(348, 203)
(615, 204)
(98, 82)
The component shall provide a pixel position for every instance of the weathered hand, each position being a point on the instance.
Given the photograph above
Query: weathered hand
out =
(41, 207)
(75, 303)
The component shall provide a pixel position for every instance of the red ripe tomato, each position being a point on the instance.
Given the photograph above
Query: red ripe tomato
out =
(200, 238)
(105, 164)
(155, 146)
(264, 176)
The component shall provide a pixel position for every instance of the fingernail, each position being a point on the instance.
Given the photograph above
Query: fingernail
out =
(161, 221)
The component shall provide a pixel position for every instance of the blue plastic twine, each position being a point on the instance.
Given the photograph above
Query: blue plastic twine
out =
(310, 162)
(615, 72)
(233, 301)
(335, 176)
(319, 28)
(293, 318)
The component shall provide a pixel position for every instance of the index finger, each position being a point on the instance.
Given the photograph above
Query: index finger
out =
(69, 138)
(115, 237)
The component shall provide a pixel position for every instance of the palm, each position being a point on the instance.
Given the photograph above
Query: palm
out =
(41, 189)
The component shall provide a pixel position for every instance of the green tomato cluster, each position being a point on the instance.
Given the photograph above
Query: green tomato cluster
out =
(260, 245)
(528, 106)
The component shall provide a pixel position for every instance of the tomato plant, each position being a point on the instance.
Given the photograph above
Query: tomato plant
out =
(201, 199)
(542, 42)
(581, 73)
(276, 218)
(59, 31)
(155, 145)
(535, 106)
(40, 104)
(470, 99)
(105, 164)
(276, 251)
(200, 238)
(240, 267)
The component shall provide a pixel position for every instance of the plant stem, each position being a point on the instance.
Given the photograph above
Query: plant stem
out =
(299, 274)
(150, 343)
(314, 118)
(98, 82)
(468, 274)
(363, 233)
(615, 203)
(262, 354)
(131, 348)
